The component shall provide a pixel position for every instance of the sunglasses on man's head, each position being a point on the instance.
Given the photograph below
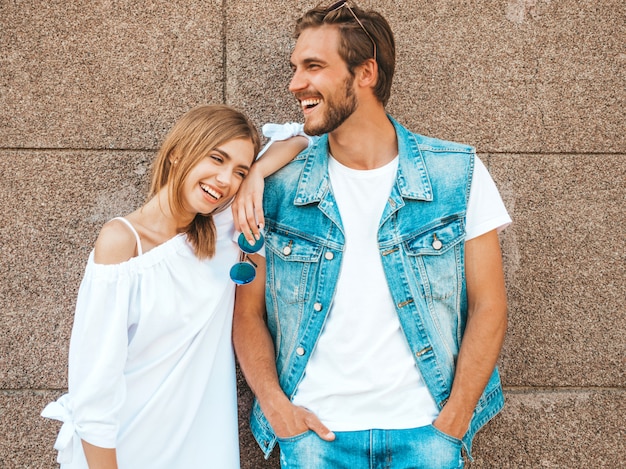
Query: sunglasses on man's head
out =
(344, 3)
(245, 271)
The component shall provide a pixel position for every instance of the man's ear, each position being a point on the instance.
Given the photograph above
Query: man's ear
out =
(367, 73)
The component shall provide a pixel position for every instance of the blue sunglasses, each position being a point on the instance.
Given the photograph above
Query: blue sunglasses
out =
(245, 271)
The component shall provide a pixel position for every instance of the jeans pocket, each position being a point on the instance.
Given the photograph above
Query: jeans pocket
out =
(294, 438)
(446, 437)
(302, 451)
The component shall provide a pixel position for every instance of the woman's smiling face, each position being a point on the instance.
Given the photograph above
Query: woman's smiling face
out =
(217, 177)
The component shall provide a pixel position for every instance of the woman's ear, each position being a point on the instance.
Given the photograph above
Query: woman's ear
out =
(173, 156)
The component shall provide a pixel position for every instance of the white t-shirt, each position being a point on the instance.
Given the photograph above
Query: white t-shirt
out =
(362, 374)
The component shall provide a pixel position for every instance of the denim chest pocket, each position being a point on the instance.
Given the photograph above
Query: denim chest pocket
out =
(290, 260)
(436, 257)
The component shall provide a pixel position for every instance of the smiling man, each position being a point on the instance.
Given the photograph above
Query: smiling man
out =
(371, 334)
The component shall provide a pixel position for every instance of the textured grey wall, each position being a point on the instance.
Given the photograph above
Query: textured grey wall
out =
(89, 88)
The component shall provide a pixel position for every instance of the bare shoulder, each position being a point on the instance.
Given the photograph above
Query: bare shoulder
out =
(116, 243)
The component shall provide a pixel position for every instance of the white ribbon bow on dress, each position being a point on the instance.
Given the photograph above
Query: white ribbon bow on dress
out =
(64, 443)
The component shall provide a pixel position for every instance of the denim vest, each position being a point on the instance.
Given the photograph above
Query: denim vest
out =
(421, 242)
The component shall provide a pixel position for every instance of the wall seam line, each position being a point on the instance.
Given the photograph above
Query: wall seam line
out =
(224, 54)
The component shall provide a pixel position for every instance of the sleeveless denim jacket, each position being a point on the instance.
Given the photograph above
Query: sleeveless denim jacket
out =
(421, 242)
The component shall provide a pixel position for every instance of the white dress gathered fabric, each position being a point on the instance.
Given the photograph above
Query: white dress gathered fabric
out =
(151, 364)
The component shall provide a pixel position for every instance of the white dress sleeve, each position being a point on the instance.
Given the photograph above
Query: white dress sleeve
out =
(98, 350)
(279, 132)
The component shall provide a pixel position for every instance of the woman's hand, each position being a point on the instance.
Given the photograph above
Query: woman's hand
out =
(247, 206)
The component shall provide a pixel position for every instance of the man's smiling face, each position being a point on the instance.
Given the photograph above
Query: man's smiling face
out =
(321, 81)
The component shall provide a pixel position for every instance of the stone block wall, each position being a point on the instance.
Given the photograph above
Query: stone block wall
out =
(88, 89)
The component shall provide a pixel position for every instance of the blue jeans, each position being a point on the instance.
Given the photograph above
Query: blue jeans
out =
(415, 448)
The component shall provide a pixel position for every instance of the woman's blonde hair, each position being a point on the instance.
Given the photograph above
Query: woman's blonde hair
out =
(193, 137)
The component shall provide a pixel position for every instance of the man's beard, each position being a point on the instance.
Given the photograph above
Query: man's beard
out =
(336, 112)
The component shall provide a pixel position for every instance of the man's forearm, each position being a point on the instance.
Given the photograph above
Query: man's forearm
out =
(483, 336)
(477, 359)
(255, 352)
(252, 340)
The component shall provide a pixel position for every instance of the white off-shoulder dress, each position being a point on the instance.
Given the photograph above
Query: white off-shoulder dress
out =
(151, 365)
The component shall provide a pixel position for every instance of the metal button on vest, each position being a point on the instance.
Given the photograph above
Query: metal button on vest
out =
(287, 250)
(437, 245)
(300, 351)
(329, 256)
(317, 306)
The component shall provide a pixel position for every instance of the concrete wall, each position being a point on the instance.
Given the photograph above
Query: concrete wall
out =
(89, 88)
